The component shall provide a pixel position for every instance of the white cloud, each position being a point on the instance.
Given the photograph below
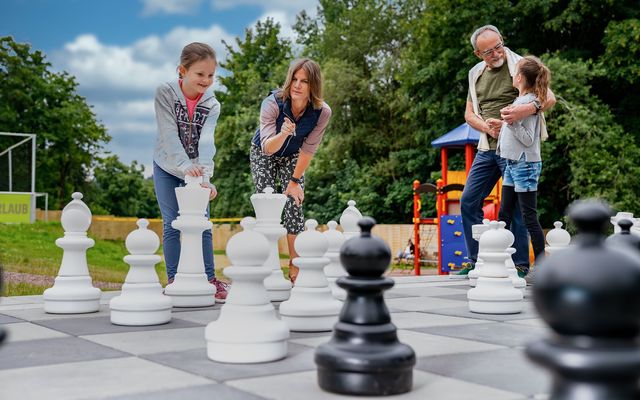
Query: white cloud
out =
(152, 7)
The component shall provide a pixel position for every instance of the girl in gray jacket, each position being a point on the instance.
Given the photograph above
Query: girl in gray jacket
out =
(519, 144)
(186, 112)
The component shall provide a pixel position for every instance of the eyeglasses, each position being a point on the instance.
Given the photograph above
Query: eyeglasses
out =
(497, 47)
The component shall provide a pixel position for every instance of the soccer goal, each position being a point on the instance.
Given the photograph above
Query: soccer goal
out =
(18, 178)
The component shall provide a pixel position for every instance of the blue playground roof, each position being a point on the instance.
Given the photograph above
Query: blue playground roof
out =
(460, 136)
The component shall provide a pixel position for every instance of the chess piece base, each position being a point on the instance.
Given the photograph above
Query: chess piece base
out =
(495, 296)
(246, 353)
(191, 290)
(366, 384)
(140, 318)
(72, 295)
(278, 288)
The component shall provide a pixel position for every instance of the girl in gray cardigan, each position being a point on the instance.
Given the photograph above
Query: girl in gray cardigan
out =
(519, 144)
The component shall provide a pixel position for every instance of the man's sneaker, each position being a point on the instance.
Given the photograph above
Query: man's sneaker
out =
(466, 268)
(523, 270)
(222, 289)
(531, 275)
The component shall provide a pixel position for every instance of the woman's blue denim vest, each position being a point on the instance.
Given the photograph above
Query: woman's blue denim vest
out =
(304, 125)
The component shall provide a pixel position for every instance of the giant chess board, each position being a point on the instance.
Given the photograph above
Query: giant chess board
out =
(461, 355)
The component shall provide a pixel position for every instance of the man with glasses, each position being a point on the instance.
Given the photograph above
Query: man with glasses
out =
(491, 93)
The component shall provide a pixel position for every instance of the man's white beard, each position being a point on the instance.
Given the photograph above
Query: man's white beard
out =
(497, 64)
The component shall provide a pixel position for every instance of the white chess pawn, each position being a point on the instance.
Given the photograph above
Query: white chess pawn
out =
(73, 291)
(311, 307)
(518, 283)
(477, 231)
(142, 301)
(190, 287)
(349, 220)
(268, 207)
(557, 238)
(334, 269)
(494, 292)
(248, 329)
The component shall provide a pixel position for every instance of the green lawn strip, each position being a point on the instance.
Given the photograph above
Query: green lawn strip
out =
(21, 289)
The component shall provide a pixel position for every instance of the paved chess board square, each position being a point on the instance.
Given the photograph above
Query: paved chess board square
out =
(461, 355)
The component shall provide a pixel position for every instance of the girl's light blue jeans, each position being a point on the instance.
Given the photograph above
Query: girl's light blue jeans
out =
(165, 185)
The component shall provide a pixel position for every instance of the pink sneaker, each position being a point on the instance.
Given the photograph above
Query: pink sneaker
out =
(222, 289)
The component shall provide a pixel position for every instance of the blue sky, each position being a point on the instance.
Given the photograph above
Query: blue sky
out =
(121, 50)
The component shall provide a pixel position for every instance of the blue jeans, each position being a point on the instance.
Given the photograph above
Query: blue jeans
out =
(165, 185)
(523, 175)
(485, 172)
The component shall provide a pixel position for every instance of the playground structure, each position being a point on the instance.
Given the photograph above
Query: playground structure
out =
(448, 190)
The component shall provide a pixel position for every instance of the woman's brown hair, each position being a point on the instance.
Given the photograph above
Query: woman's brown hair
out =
(315, 80)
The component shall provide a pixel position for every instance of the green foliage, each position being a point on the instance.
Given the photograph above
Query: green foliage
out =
(122, 190)
(33, 99)
(259, 65)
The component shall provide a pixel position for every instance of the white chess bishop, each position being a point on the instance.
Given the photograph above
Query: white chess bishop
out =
(190, 287)
(334, 269)
(477, 231)
(248, 329)
(268, 207)
(557, 238)
(73, 291)
(142, 301)
(311, 307)
(494, 292)
(349, 220)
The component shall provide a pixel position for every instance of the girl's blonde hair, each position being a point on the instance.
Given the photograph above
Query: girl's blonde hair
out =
(537, 76)
(194, 52)
(315, 80)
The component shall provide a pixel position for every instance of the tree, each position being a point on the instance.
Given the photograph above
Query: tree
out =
(122, 190)
(33, 99)
(258, 65)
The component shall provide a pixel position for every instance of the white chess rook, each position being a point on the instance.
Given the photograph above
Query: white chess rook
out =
(268, 207)
(190, 287)
(334, 269)
(73, 291)
(248, 329)
(494, 292)
(477, 231)
(311, 307)
(141, 302)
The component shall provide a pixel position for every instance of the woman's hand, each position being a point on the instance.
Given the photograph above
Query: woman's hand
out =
(212, 187)
(296, 192)
(288, 127)
(194, 170)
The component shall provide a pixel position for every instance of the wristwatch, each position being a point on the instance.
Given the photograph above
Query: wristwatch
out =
(296, 180)
(537, 105)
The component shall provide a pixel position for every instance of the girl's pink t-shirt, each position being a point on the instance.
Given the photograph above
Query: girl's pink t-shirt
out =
(191, 103)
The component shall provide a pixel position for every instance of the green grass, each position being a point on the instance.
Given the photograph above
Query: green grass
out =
(21, 289)
(31, 249)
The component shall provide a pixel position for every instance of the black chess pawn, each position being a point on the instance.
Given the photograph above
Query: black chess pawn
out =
(364, 356)
(625, 237)
(590, 296)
